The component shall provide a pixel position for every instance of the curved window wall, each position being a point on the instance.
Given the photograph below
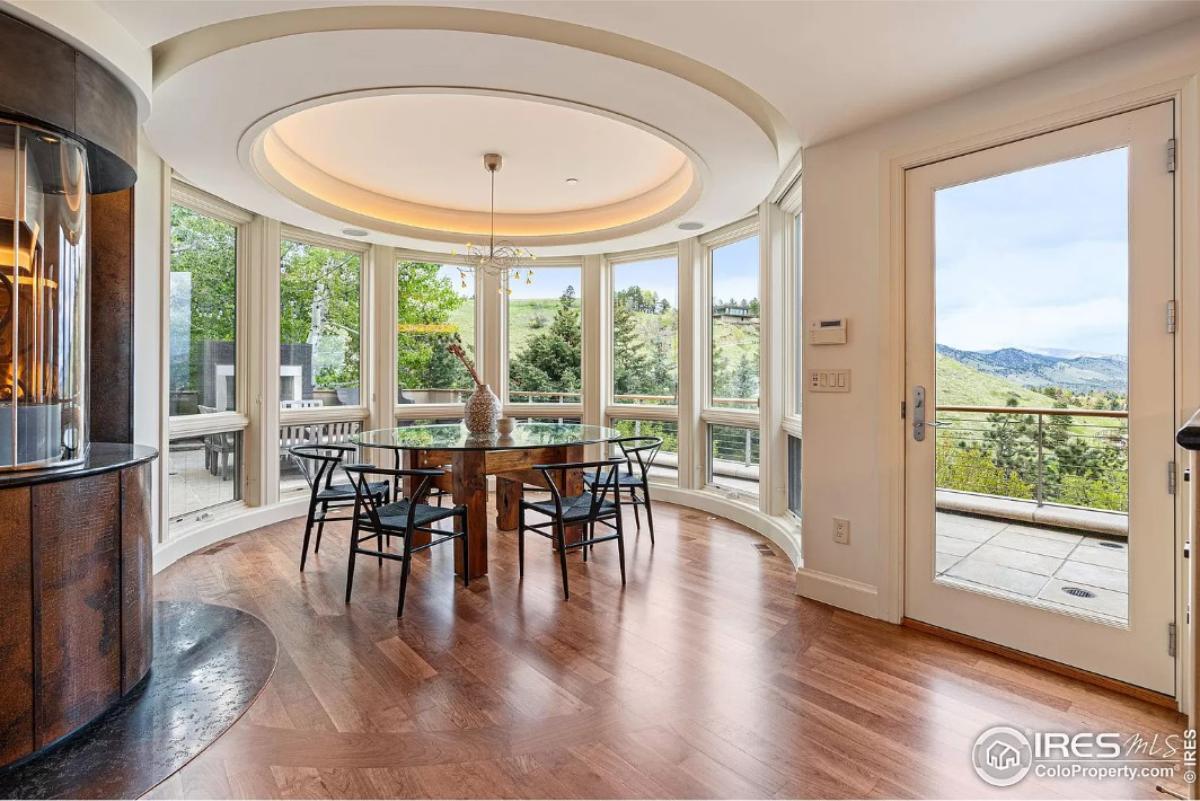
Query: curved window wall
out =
(312, 338)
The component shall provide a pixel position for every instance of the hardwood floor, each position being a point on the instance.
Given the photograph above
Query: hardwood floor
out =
(705, 677)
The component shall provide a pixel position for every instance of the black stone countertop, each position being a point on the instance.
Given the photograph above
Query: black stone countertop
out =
(102, 458)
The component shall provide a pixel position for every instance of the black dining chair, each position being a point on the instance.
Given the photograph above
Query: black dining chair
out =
(636, 480)
(318, 463)
(600, 504)
(401, 518)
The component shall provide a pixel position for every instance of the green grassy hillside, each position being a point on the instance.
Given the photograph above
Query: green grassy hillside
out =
(960, 385)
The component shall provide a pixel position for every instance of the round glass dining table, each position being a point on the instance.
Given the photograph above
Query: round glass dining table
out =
(469, 459)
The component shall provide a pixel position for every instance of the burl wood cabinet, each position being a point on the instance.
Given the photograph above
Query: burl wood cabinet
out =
(75, 594)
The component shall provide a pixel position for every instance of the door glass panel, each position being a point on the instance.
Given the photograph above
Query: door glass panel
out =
(1031, 421)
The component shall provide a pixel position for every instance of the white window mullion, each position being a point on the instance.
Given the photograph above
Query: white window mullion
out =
(693, 371)
(773, 347)
(265, 340)
(380, 299)
(596, 338)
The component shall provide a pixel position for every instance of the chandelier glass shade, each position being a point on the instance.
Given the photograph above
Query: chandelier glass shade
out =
(500, 259)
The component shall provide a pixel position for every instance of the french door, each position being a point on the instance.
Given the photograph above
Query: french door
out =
(1040, 411)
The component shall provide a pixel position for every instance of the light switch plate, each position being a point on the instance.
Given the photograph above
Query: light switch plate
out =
(841, 530)
(829, 380)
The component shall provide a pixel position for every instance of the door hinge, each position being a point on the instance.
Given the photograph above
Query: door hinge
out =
(1171, 478)
(903, 410)
(1170, 155)
(1170, 639)
(1172, 316)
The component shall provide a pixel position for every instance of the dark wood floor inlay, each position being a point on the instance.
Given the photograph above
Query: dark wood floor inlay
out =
(210, 662)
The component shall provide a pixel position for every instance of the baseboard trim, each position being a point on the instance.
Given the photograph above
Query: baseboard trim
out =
(224, 528)
(782, 531)
(1071, 672)
(844, 593)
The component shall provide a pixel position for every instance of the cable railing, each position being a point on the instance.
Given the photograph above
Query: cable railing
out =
(1068, 457)
(459, 395)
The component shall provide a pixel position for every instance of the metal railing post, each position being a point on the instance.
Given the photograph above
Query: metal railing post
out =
(1041, 466)
(747, 460)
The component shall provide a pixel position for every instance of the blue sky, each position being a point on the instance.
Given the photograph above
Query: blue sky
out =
(735, 270)
(548, 282)
(658, 275)
(1036, 259)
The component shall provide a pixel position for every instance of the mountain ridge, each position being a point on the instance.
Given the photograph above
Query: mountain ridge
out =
(1082, 373)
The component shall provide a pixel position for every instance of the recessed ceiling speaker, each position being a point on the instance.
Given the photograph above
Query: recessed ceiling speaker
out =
(690, 226)
(355, 232)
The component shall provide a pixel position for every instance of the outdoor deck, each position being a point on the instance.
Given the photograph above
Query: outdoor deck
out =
(1035, 564)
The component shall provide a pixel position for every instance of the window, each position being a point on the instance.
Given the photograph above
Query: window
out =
(797, 268)
(435, 305)
(202, 327)
(203, 471)
(204, 449)
(334, 432)
(733, 459)
(734, 325)
(794, 453)
(545, 349)
(319, 326)
(666, 464)
(645, 332)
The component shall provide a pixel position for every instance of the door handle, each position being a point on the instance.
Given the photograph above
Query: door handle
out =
(918, 418)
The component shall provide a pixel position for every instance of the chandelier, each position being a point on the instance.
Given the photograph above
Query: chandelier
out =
(500, 259)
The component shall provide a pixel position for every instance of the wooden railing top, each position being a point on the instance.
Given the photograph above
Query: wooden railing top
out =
(1111, 413)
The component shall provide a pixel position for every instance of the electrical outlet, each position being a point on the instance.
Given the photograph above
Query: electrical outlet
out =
(841, 530)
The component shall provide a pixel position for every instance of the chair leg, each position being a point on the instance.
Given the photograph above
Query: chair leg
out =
(562, 557)
(649, 511)
(466, 551)
(353, 553)
(521, 543)
(637, 520)
(621, 547)
(321, 526)
(308, 524)
(404, 571)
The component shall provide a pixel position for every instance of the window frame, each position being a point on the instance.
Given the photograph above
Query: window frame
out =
(611, 407)
(523, 410)
(332, 414)
(709, 414)
(235, 421)
(421, 411)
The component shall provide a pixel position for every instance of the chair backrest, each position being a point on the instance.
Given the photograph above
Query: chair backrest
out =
(367, 501)
(606, 472)
(318, 462)
(644, 450)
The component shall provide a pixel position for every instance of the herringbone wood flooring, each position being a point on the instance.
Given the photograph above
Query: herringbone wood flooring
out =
(705, 677)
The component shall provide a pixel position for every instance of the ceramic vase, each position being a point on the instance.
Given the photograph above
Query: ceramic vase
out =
(482, 411)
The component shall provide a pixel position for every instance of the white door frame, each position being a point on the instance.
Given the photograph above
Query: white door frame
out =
(988, 130)
(1136, 653)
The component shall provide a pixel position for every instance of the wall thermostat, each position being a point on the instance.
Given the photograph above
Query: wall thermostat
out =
(827, 332)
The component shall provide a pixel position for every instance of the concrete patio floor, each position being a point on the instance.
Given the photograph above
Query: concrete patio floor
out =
(1061, 570)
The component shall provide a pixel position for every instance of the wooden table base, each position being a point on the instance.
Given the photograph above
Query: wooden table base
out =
(513, 469)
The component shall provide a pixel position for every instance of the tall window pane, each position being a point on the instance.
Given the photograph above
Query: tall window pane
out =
(319, 326)
(665, 468)
(735, 325)
(435, 306)
(545, 349)
(203, 313)
(645, 332)
(733, 459)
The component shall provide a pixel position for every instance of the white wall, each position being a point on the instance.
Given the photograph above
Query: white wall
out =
(852, 226)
